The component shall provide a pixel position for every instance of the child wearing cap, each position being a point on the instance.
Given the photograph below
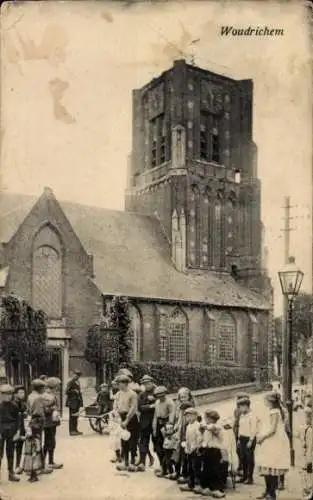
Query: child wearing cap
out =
(170, 442)
(33, 455)
(192, 446)
(164, 413)
(184, 401)
(146, 407)
(247, 439)
(19, 398)
(9, 428)
(126, 405)
(239, 396)
(104, 403)
(213, 456)
(52, 421)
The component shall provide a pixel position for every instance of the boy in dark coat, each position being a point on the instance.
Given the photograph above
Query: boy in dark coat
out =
(9, 427)
(19, 398)
(74, 401)
(146, 404)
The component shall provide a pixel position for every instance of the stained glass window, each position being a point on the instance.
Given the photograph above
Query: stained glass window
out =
(47, 281)
(212, 353)
(177, 337)
(227, 338)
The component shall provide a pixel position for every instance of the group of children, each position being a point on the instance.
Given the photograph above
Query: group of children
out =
(28, 428)
(202, 453)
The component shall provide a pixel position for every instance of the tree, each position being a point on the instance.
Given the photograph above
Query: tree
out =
(119, 319)
(302, 317)
(108, 343)
(94, 351)
(23, 337)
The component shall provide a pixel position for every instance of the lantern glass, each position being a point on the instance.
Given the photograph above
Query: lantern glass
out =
(290, 279)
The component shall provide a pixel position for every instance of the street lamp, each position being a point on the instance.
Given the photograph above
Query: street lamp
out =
(290, 278)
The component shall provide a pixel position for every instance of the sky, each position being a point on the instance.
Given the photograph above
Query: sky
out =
(68, 69)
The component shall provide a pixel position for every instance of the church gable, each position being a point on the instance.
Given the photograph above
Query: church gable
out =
(46, 220)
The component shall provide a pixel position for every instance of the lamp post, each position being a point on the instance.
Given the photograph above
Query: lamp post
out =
(290, 278)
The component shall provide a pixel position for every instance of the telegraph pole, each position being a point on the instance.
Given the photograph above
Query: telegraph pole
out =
(285, 341)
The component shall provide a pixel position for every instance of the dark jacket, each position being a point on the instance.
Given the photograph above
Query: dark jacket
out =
(74, 399)
(9, 418)
(22, 408)
(145, 399)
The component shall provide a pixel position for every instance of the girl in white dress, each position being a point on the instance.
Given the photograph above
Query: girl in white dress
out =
(272, 451)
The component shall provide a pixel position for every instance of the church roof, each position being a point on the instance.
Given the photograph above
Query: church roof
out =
(132, 256)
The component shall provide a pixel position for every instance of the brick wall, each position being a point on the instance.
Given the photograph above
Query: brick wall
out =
(79, 294)
(198, 331)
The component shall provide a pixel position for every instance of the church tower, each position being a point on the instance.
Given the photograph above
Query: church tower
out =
(194, 166)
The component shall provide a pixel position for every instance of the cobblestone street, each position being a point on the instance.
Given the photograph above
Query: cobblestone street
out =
(88, 473)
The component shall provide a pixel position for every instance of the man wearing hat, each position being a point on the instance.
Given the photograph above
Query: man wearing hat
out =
(126, 405)
(165, 411)
(9, 427)
(146, 405)
(74, 401)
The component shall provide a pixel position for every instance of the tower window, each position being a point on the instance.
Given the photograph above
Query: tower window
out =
(154, 143)
(162, 140)
(209, 138)
(203, 138)
(158, 141)
(215, 142)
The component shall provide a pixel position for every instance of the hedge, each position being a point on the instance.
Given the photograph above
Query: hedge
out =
(194, 376)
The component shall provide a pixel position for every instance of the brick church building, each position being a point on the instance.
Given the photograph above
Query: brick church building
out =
(187, 250)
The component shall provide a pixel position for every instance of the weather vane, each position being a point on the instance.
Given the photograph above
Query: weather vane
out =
(192, 55)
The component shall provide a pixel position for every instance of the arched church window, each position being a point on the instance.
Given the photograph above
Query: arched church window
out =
(135, 333)
(177, 337)
(47, 281)
(227, 338)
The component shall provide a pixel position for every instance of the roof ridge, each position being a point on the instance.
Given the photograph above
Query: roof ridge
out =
(69, 202)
